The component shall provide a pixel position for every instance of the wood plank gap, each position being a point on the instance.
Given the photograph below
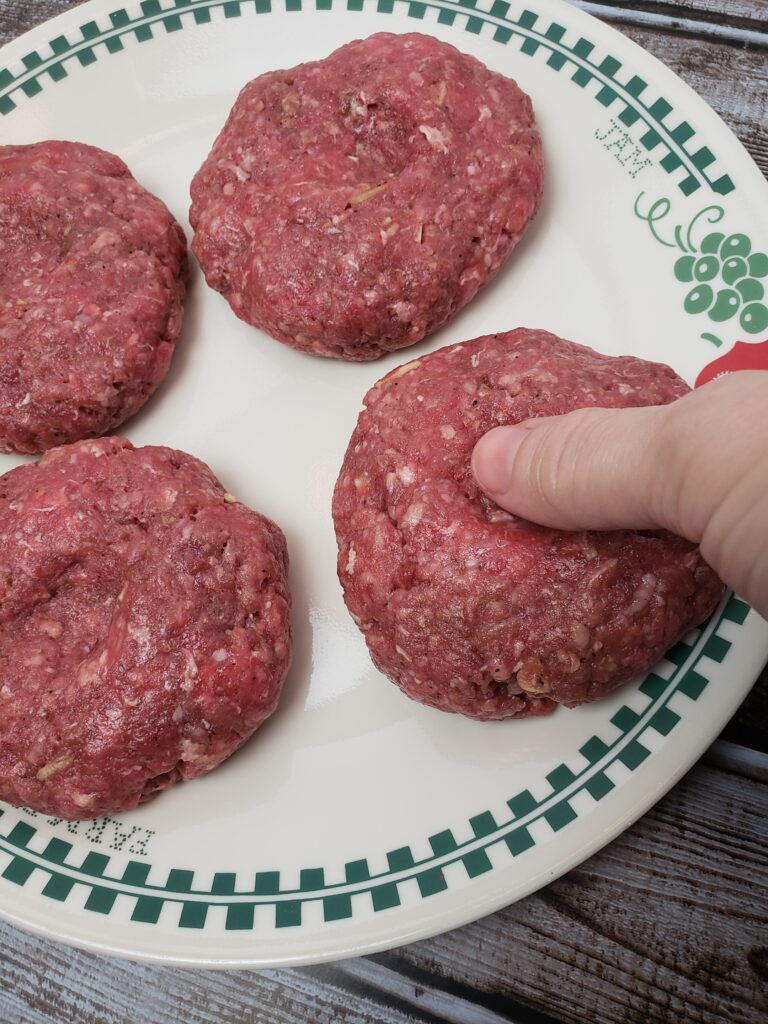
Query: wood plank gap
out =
(733, 35)
(432, 1004)
(352, 977)
(738, 760)
(738, 13)
(603, 954)
(500, 1007)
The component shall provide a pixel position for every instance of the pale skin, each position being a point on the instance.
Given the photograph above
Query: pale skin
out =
(698, 467)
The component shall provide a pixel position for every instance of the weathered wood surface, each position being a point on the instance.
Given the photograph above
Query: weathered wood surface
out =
(667, 925)
(730, 15)
(703, 41)
(731, 77)
(661, 925)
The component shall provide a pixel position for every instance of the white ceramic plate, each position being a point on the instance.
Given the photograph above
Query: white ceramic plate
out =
(357, 820)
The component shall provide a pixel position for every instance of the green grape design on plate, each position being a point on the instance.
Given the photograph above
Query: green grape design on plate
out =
(723, 272)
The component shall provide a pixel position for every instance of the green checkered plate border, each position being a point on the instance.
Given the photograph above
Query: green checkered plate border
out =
(58, 868)
(631, 743)
(670, 139)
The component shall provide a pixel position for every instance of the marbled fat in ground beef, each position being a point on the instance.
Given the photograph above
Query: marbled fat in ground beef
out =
(92, 279)
(352, 205)
(466, 607)
(144, 626)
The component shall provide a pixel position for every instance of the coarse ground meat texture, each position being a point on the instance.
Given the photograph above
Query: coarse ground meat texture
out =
(144, 630)
(351, 206)
(92, 280)
(466, 607)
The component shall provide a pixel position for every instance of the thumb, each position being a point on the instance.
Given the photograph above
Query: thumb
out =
(592, 469)
(698, 467)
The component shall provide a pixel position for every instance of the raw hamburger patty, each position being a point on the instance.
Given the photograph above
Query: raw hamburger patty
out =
(352, 205)
(466, 607)
(91, 289)
(144, 627)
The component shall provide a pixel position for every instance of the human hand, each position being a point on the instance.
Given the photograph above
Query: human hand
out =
(698, 467)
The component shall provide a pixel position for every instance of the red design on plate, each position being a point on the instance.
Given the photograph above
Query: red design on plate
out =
(744, 355)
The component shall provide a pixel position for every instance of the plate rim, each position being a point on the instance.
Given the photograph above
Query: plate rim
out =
(704, 113)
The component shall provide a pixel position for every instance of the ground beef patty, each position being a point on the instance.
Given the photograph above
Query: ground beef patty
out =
(143, 626)
(352, 205)
(91, 290)
(466, 607)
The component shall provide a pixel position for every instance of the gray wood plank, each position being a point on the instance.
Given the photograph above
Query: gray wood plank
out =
(665, 924)
(738, 760)
(731, 13)
(732, 79)
(732, 31)
(20, 15)
(44, 983)
(17, 16)
(731, 76)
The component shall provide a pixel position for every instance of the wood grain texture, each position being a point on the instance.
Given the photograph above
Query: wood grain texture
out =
(732, 79)
(667, 925)
(17, 16)
(732, 13)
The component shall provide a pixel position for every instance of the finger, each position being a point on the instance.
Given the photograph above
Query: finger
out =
(589, 469)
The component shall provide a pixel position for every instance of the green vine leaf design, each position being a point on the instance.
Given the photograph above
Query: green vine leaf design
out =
(722, 270)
